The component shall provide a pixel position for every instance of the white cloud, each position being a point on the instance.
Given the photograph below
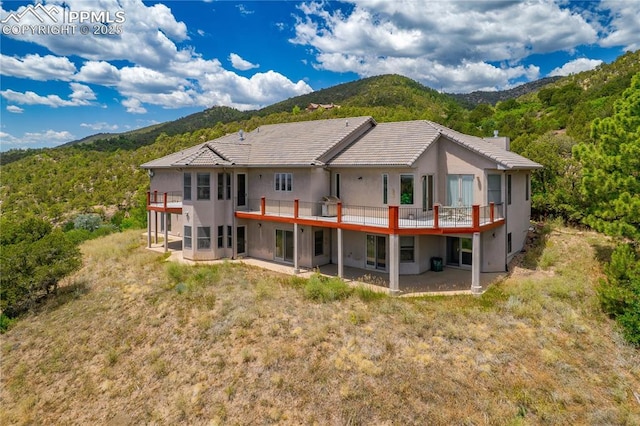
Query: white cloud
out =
(243, 10)
(152, 70)
(240, 64)
(449, 45)
(575, 66)
(624, 25)
(45, 138)
(81, 95)
(101, 126)
(15, 109)
(36, 67)
(134, 106)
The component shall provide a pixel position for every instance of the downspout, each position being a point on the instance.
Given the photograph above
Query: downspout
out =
(506, 227)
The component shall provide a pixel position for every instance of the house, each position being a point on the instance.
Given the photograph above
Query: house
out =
(313, 107)
(402, 197)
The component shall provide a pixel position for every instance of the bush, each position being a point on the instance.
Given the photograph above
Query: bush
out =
(325, 289)
(33, 259)
(90, 222)
(620, 293)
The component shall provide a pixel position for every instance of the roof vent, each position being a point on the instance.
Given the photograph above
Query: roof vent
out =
(346, 123)
(495, 133)
(241, 134)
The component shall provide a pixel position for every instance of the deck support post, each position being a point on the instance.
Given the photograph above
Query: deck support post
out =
(394, 263)
(296, 268)
(148, 228)
(476, 287)
(156, 226)
(340, 254)
(166, 233)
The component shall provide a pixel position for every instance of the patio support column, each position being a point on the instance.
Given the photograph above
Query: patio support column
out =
(296, 269)
(149, 228)
(476, 288)
(156, 224)
(166, 233)
(394, 263)
(340, 254)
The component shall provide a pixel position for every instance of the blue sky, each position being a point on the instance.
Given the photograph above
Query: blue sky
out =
(167, 59)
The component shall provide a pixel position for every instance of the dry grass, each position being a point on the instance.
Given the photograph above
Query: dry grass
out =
(149, 343)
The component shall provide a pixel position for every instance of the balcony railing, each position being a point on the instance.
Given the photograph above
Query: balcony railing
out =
(384, 217)
(164, 200)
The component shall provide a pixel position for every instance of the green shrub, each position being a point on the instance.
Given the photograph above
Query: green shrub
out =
(326, 289)
(620, 293)
(90, 222)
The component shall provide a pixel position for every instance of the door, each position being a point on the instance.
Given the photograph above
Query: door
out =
(241, 194)
(284, 245)
(377, 252)
(459, 251)
(240, 240)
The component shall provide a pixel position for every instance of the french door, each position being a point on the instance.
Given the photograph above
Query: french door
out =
(284, 245)
(459, 251)
(377, 252)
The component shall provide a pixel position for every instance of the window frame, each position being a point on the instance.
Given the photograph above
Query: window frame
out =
(385, 188)
(509, 189)
(407, 249)
(229, 236)
(220, 237)
(187, 238)
(318, 243)
(283, 182)
(493, 191)
(402, 191)
(205, 188)
(186, 193)
(204, 241)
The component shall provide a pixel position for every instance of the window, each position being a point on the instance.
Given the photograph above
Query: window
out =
(284, 181)
(204, 238)
(407, 249)
(509, 243)
(203, 186)
(187, 237)
(406, 189)
(220, 236)
(338, 185)
(318, 243)
(427, 193)
(224, 186)
(229, 236)
(220, 186)
(186, 194)
(460, 190)
(526, 187)
(494, 189)
(508, 189)
(385, 189)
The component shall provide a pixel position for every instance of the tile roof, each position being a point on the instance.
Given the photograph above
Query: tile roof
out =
(356, 141)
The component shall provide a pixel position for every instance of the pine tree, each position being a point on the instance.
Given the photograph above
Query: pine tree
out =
(611, 168)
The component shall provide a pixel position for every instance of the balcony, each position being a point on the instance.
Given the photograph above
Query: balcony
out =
(169, 202)
(402, 220)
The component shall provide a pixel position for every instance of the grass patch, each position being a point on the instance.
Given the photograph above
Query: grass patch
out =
(326, 289)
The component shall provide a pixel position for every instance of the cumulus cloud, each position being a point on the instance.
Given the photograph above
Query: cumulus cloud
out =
(81, 95)
(575, 66)
(15, 109)
(623, 28)
(448, 45)
(36, 67)
(101, 126)
(240, 64)
(45, 138)
(151, 68)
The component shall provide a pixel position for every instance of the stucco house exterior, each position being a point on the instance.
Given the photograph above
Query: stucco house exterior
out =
(401, 197)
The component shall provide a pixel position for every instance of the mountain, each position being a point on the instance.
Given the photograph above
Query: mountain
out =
(480, 97)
